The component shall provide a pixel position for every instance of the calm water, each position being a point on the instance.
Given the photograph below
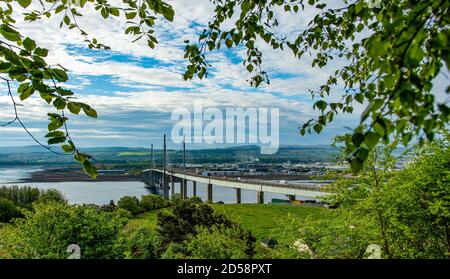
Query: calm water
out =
(103, 192)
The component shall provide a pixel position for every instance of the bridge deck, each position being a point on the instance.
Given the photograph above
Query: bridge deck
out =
(307, 189)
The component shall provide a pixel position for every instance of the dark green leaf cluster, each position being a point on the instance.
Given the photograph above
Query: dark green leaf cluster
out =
(23, 63)
(391, 70)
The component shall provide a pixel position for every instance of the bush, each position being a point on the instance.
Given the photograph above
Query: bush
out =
(175, 251)
(47, 232)
(22, 196)
(180, 221)
(110, 207)
(130, 204)
(142, 244)
(51, 195)
(220, 242)
(8, 210)
(151, 202)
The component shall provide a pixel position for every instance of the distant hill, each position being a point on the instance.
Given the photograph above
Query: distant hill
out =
(35, 155)
(21, 149)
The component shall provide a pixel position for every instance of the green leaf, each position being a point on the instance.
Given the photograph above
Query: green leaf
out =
(90, 112)
(79, 157)
(414, 55)
(24, 3)
(114, 11)
(130, 15)
(42, 52)
(321, 105)
(25, 90)
(59, 103)
(362, 154)
(29, 44)
(318, 128)
(356, 164)
(90, 169)
(59, 75)
(229, 43)
(73, 107)
(104, 13)
(55, 134)
(66, 20)
(56, 140)
(357, 139)
(359, 97)
(371, 139)
(168, 13)
(67, 148)
(9, 33)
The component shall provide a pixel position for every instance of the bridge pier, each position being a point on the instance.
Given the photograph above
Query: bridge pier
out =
(184, 189)
(210, 192)
(194, 188)
(259, 197)
(238, 195)
(172, 185)
(291, 197)
(165, 186)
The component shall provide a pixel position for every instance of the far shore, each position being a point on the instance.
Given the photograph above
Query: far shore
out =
(74, 175)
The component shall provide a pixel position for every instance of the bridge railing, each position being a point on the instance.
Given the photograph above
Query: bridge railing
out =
(259, 182)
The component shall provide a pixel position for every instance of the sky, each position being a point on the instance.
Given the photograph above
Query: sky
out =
(135, 89)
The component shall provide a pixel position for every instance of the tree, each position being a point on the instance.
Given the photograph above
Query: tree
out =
(405, 211)
(418, 204)
(22, 196)
(23, 63)
(25, 196)
(151, 202)
(130, 204)
(177, 223)
(391, 70)
(51, 195)
(8, 210)
(47, 231)
(219, 242)
(142, 243)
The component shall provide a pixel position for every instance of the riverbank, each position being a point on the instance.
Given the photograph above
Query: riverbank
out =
(74, 175)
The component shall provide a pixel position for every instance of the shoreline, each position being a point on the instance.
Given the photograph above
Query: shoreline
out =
(73, 175)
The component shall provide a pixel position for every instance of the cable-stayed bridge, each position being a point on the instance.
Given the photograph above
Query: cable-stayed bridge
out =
(167, 176)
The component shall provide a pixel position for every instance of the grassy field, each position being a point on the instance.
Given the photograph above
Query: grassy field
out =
(279, 222)
(275, 221)
(147, 219)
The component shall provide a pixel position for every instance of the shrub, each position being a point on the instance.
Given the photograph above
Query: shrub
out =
(180, 221)
(175, 251)
(47, 232)
(51, 195)
(22, 196)
(8, 210)
(129, 203)
(142, 243)
(110, 207)
(151, 202)
(220, 242)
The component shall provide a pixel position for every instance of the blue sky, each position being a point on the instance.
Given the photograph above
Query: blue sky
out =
(135, 89)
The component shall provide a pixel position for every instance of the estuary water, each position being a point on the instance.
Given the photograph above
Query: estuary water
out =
(103, 192)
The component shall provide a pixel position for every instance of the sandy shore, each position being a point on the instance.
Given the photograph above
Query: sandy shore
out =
(67, 175)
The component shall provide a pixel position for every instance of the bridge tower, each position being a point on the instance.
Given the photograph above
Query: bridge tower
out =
(151, 178)
(184, 182)
(165, 182)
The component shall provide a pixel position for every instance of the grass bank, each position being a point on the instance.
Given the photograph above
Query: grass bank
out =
(278, 222)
